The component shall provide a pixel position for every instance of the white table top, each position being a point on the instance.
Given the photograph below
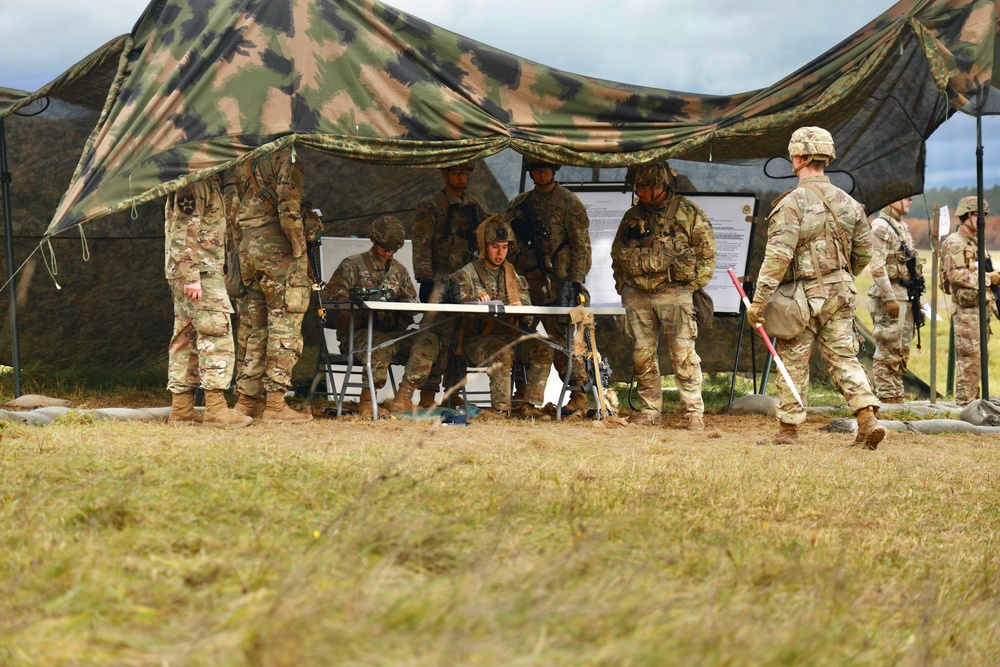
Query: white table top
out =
(477, 307)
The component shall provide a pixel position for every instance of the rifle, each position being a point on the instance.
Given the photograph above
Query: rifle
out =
(915, 287)
(598, 368)
(471, 212)
(988, 266)
(532, 232)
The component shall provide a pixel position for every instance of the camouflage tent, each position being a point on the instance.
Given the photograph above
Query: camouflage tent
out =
(201, 84)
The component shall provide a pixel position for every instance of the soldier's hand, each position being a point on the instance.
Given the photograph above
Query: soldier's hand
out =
(426, 287)
(297, 238)
(994, 277)
(892, 308)
(755, 314)
(193, 291)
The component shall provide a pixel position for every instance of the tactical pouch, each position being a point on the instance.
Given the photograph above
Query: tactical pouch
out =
(966, 297)
(787, 313)
(643, 261)
(704, 308)
(234, 275)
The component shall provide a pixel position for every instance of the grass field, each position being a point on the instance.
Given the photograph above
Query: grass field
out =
(359, 543)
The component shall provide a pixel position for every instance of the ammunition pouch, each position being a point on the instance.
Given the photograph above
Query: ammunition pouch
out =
(787, 313)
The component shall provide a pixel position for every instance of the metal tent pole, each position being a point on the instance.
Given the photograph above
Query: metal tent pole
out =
(984, 315)
(8, 226)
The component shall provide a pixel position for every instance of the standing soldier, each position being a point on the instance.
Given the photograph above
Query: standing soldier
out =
(664, 250)
(481, 339)
(819, 236)
(377, 269)
(960, 279)
(444, 240)
(201, 349)
(553, 238)
(274, 267)
(892, 315)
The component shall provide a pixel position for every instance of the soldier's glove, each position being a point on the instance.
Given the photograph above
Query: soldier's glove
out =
(426, 287)
(994, 277)
(578, 291)
(755, 314)
(296, 236)
(892, 308)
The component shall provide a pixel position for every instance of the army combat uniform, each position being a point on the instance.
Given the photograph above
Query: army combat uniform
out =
(823, 250)
(444, 240)
(480, 337)
(562, 236)
(202, 349)
(660, 256)
(274, 267)
(364, 270)
(892, 244)
(960, 277)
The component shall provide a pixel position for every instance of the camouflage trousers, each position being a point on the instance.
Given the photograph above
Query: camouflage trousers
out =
(445, 334)
(201, 351)
(672, 311)
(831, 327)
(536, 355)
(968, 363)
(278, 293)
(421, 350)
(892, 344)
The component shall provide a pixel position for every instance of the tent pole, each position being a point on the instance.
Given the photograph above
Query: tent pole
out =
(8, 226)
(984, 315)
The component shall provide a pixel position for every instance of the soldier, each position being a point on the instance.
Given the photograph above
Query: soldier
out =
(201, 350)
(444, 240)
(273, 263)
(553, 239)
(892, 316)
(481, 339)
(377, 269)
(819, 236)
(960, 279)
(664, 250)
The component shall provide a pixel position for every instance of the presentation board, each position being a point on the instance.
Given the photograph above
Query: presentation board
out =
(731, 216)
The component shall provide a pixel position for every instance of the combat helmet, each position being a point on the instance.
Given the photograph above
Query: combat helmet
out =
(657, 174)
(468, 166)
(814, 143)
(529, 163)
(967, 205)
(492, 230)
(388, 232)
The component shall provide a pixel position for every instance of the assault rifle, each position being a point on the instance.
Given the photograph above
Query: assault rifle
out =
(598, 368)
(471, 212)
(531, 231)
(988, 265)
(915, 287)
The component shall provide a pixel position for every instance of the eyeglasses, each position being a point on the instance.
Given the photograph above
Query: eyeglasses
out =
(386, 249)
(459, 172)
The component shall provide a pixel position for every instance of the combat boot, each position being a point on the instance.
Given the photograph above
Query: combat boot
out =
(218, 414)
(577, 401)
(250, 406)
(787, 434)
(529, 411)
(646, 419)
(892, 401)
(403, 400)
(695, 422)
(491, 414)
(277, 410)
(870, 430)
(427, 398)
(182, 412)
(365, 402)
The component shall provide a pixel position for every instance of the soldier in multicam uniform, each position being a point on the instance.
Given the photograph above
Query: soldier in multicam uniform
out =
(444, 240)
(481, 339)
(274, 266)
(664, 250)
(554, 255)
(820, 236)
(892, 316)
(201, 349)
(960, 278)
(377, 268)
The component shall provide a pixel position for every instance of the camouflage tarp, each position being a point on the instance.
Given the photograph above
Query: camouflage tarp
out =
(201, 84)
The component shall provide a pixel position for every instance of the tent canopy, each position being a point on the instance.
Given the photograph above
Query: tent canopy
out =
(201, 84)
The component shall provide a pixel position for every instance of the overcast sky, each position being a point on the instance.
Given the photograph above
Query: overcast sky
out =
(709, 46)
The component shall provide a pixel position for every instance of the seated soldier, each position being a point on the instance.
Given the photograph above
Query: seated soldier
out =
(481, 339)
(377, 269)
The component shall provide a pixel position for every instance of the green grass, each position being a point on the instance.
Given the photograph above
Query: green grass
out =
(359, 543)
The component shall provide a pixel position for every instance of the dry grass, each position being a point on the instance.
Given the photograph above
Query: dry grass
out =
(358, 543)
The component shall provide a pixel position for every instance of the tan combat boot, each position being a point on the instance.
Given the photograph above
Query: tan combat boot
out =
(403, 400)
(218, 414)
(870, 430)
(787, 435)
(250, 406)
(646, 419)
(577, 401)
(427, 398)
(182, 412)
(529, 411)
(278, 411)
(365, 402)
(695, 422)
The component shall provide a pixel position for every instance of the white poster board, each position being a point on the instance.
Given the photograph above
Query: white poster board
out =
(731, 216)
